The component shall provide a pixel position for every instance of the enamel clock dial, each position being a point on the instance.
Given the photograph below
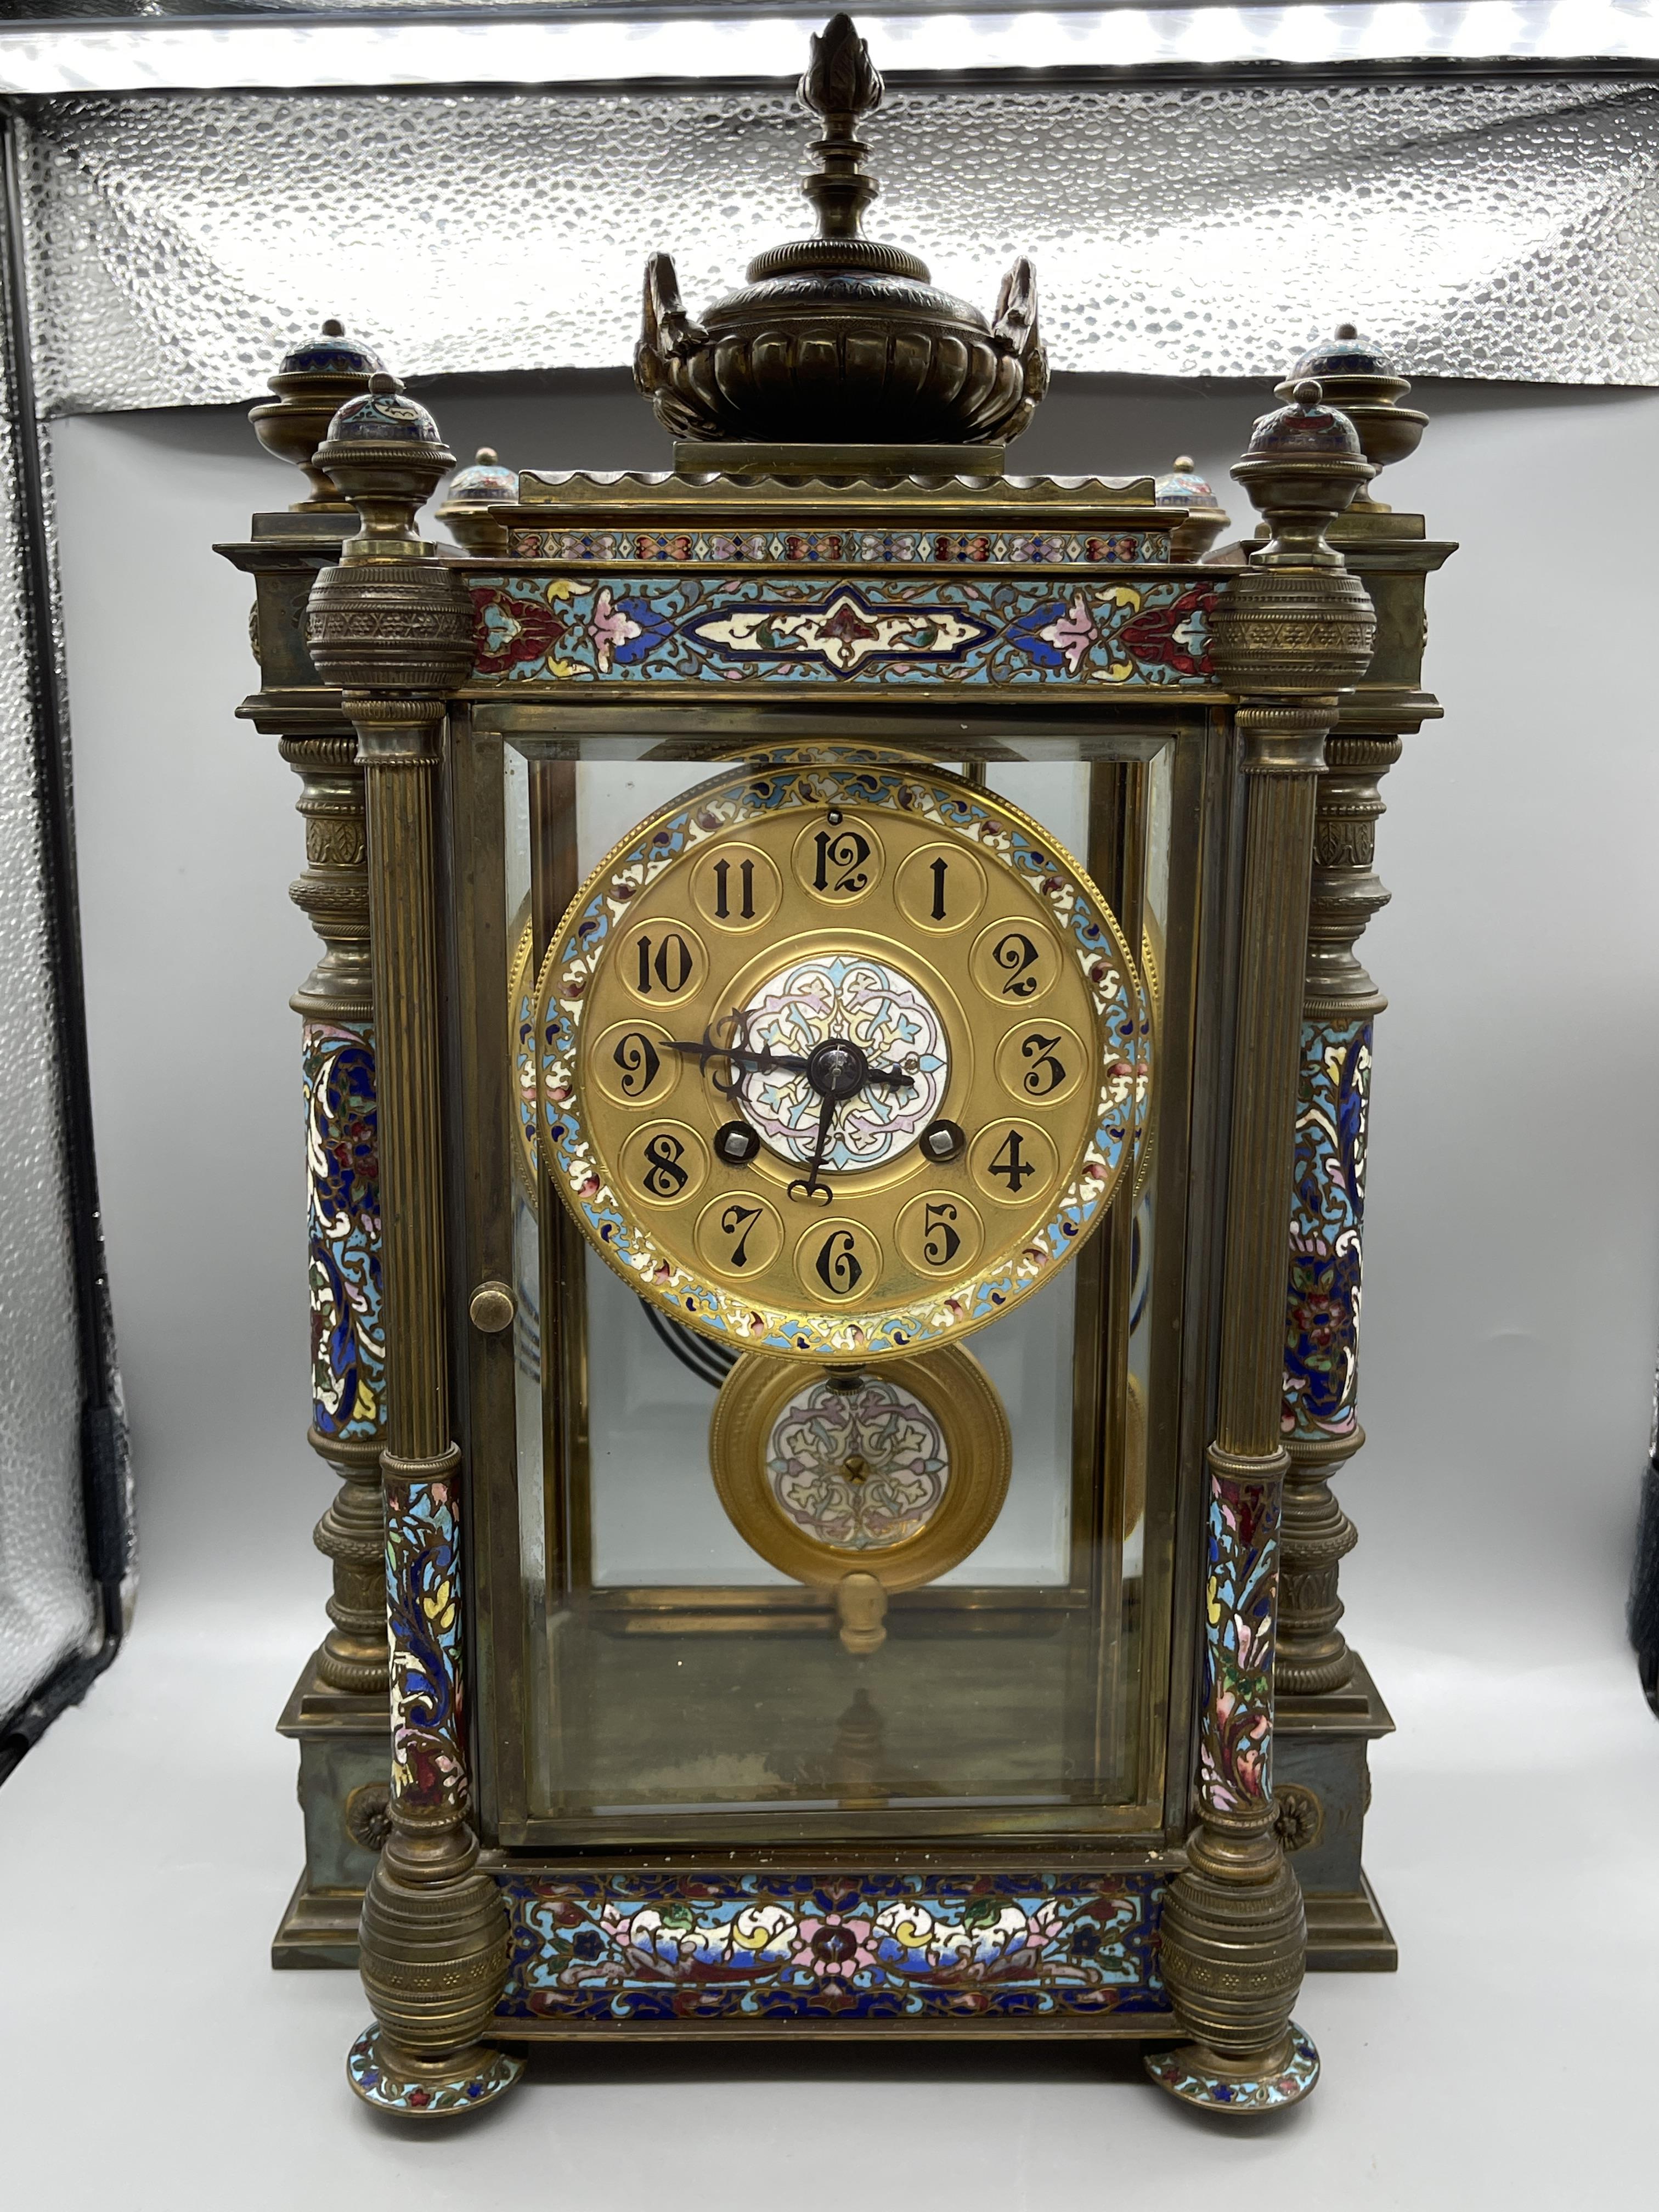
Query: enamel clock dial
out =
(839, 1058)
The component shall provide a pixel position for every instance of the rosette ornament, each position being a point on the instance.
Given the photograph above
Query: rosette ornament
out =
(840, 336)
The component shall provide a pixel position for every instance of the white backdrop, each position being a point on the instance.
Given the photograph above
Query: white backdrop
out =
(1511, 1312)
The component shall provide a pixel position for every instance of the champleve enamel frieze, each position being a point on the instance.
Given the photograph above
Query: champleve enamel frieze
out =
(887, 630)
(699, 1945)
(986, 548)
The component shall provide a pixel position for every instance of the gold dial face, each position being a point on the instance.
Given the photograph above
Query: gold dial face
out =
(839, 1058)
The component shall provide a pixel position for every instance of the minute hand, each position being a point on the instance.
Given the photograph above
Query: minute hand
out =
(757, 1063)
(767, 1062)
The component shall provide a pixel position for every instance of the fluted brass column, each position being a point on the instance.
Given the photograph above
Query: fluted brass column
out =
(392, 627)
(1290, 633)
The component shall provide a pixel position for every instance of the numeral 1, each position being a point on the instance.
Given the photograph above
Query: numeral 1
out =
(939, 869)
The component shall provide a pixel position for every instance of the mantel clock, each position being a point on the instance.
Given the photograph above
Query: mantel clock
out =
(835, 1098)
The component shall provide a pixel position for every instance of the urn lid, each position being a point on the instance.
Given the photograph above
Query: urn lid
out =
(331, 353)
(484, 482)
(1305, 426)
(841, 337)
(1182, 488)
(1347, 353)
(384, 414)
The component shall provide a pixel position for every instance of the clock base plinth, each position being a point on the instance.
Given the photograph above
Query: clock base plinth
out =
(344, 1743)
(1348, 1935)
(1198, 2077)
(1322, 1785)
(384, 2077)
(318, 1930)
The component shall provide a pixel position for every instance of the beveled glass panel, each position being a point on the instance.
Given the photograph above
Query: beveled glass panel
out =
(682, 1685)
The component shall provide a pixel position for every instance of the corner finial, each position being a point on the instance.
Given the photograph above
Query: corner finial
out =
(474, 492)
(1302, 468)
(314, 378)
(1357, 376)
(385, 452)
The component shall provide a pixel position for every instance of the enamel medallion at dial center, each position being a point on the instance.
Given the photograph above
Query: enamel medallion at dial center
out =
(826, 1001)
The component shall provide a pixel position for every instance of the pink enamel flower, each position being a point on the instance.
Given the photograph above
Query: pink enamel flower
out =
(1071, 633)
(832, 1948)
(609, 626)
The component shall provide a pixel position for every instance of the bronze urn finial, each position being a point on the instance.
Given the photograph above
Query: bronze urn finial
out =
(839, 338)
(840, 84)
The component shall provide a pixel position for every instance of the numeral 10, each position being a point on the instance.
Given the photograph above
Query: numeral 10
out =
(670, 962)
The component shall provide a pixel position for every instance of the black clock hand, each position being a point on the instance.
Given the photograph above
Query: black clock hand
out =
(894, 1077)
(810, 1187)
(756, 1063)
(768, 1063)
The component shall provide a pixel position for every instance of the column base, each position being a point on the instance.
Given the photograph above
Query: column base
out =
(1198, 2078)
(476, 2077)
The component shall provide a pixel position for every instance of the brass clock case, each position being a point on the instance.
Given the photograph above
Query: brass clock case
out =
(899, 1473)
(839, 1058)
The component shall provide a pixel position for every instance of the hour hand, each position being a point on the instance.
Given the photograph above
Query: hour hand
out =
(894, 1077)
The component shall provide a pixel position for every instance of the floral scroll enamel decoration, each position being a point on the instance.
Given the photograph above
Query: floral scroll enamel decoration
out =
(1328, 1213)
(347, 1343)
(888, 630)
(423, 1614)
(604, 1950)
(413, 2096)
(1237, 1725)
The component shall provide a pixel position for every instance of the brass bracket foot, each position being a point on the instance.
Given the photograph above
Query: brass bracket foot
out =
(473, 2077)
(1198, 2077)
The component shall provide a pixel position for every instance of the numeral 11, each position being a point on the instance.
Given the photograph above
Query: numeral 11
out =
(722, 890)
